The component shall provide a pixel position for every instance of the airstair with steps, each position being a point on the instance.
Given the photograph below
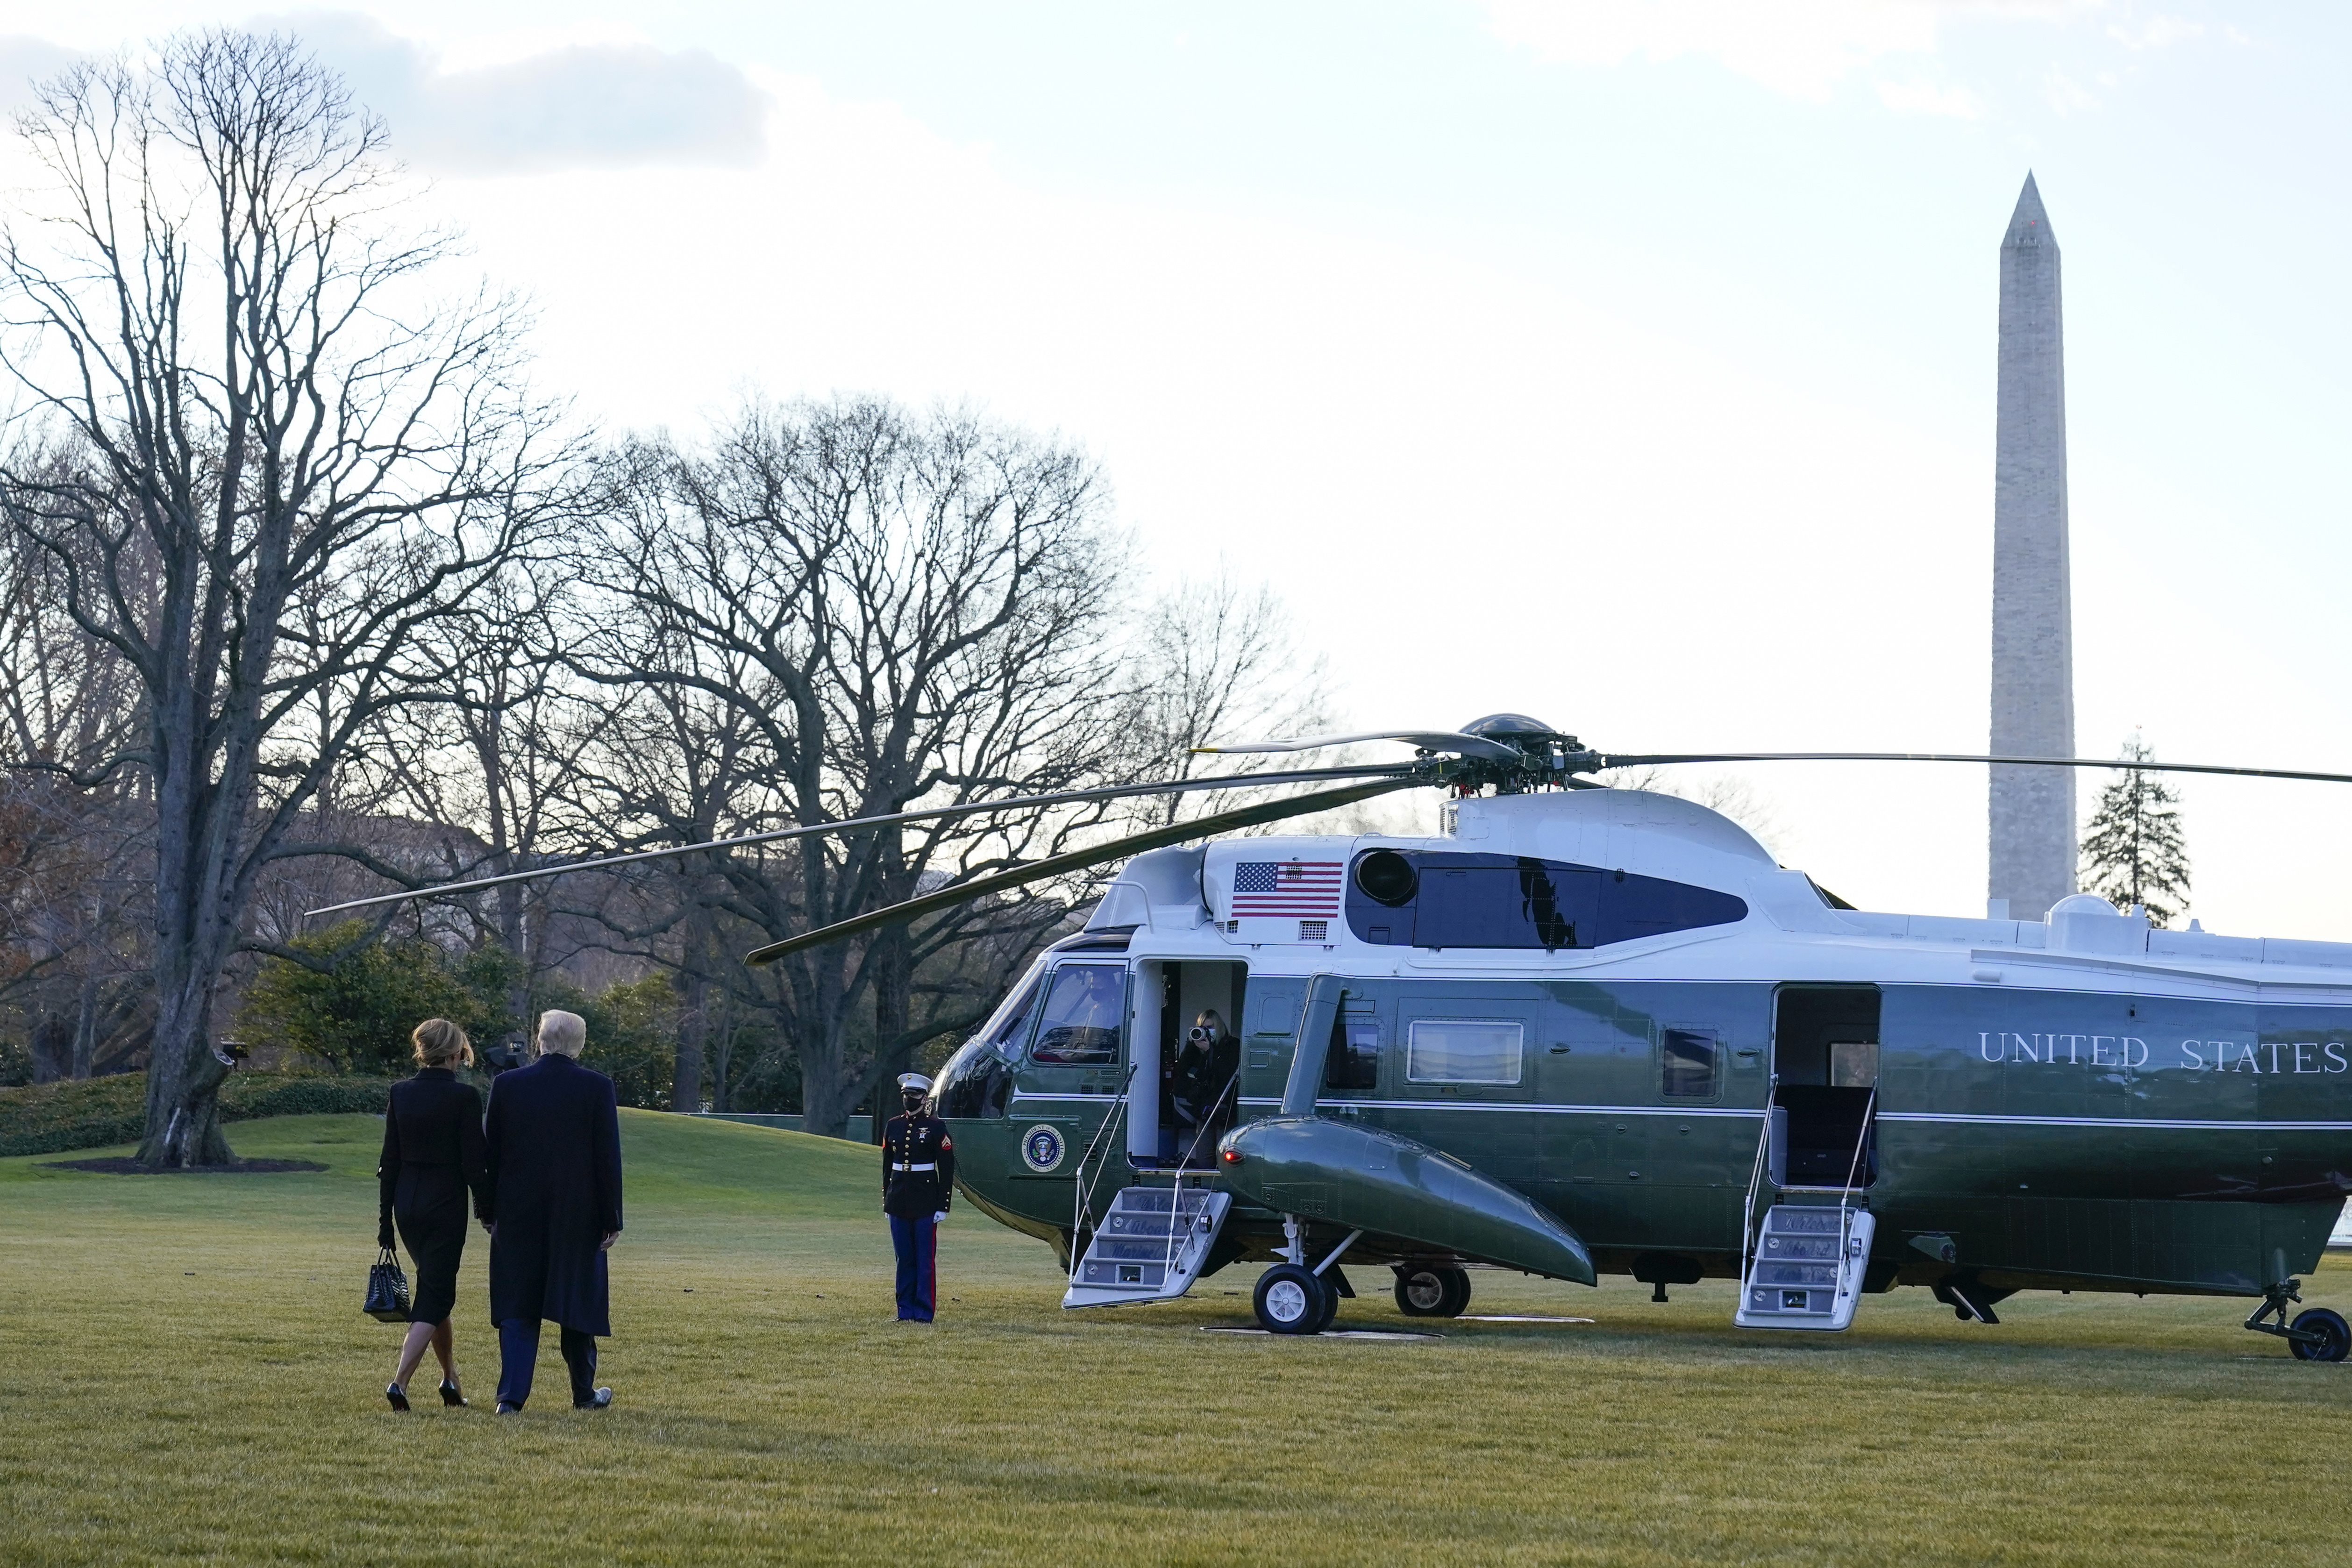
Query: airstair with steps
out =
(1806, 1269)
(1802, 1267)
(1149, 1247)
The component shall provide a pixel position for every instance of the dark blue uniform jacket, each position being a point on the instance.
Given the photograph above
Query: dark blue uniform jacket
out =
(917, 1166)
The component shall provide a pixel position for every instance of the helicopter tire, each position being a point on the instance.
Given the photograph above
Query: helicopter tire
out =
(1431, 1290)
(1421, 1291)
(1330, 1306)
(2336, 1342)
(1291, 1299)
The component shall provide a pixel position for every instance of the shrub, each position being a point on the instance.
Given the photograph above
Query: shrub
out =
(358, 1013)
(632, 1035)
(51, 1116)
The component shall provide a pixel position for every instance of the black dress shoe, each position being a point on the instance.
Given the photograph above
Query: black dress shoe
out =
(398, 1395)
(507, 1410)
(602, 1399)
(450, 1395)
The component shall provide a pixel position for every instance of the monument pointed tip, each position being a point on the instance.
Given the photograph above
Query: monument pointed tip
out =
(2029, 225)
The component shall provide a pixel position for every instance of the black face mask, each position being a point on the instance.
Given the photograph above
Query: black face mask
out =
(914, 1103)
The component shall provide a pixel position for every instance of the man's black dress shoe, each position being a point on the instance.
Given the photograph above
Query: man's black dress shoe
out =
(602, 1399)
(398, 1395)
(450, 1395)
(507, 1410)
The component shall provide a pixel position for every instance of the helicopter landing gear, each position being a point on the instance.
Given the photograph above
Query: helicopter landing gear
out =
(2318, 1335)
(1431, 1290)
(1290, 1299)
(2331, 1336)
(1971, 1300)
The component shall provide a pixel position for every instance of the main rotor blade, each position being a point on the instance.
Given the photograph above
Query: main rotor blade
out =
(974, 808)
(1079, 859)
(1660, 759)
(1428, 740)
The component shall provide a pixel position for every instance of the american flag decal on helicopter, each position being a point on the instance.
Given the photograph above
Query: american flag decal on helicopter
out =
(1305, 889)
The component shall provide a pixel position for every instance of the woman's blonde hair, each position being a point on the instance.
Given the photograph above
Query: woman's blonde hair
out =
(440, 1043)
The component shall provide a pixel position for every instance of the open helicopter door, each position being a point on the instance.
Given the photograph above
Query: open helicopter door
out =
(1156, 1237)
(1803, 1262)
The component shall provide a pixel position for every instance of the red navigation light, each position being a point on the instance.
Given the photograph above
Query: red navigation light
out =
(1231, 1156)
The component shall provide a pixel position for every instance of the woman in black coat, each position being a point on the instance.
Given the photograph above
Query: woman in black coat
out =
(433, 1154)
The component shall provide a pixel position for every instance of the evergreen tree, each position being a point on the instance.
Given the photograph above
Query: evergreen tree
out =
(2133, 852)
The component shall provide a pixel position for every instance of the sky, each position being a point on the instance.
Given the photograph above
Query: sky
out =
(1625, 362)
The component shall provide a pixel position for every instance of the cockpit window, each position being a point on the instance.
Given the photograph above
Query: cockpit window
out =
(1080, 1027)
(1004, 1031)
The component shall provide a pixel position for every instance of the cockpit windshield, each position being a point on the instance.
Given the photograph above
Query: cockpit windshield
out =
(978, 1079)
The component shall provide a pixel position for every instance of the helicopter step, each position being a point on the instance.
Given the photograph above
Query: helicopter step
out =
(1806, 1272)
(1149, 1247)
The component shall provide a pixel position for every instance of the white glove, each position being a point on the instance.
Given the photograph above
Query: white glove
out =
(939, 1216)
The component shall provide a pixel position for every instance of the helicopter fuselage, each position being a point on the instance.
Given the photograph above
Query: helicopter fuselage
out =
(1616, 1005)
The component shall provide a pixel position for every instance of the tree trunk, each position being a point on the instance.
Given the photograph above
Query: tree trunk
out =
(892, 982)
(693, 1029)
(85, 1039)
(694, 1026)
(183, 1079)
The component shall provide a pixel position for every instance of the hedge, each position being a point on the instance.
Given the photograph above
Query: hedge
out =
(51, 1117)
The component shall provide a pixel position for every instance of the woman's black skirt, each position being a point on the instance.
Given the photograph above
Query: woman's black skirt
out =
(433, 1230)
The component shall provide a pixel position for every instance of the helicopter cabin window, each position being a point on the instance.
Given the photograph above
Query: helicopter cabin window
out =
(1687, 1063)
(1464, 1050)
(1080, 1027)
(1354, 1062)
(1442, 900)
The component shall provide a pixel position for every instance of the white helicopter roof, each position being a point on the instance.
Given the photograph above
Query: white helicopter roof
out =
(1176, 891)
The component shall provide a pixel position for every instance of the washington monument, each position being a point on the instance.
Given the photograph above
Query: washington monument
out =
(2032, 629)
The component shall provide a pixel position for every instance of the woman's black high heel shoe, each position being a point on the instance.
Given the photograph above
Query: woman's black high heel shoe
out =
(449, 1394)
(398, 1395)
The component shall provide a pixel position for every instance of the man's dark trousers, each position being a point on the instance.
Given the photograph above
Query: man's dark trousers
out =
(917, 1241)
(518, 1359)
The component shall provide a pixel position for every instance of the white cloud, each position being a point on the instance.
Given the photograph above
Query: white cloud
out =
(1802, 47)
(2157, 32)
(2065, 95)
(592, 100)
(24, 61)
(1924, 97)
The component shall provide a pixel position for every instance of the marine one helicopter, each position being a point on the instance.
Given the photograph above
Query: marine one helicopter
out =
(1590, 1030)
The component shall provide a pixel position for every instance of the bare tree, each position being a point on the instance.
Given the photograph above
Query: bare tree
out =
(1215, 661)
(872, 609)
(237, 383)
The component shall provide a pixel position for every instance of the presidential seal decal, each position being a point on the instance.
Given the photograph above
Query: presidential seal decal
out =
(1041, 1148)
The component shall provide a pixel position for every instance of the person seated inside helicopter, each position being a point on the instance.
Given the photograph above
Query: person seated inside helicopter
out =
(1082, 1016)
(1203, 1080)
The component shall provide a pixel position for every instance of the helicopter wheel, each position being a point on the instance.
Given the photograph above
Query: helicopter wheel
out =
(2337, 1343)
(1431, 1290)
(1290, 1300)
(1330, 1305)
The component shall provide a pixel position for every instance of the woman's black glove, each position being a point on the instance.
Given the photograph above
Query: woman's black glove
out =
(383, 1235)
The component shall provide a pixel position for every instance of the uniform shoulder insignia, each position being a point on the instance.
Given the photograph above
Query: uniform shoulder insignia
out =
(946, 1141)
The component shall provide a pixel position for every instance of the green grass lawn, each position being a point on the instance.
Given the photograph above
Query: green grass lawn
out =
(185, 1376)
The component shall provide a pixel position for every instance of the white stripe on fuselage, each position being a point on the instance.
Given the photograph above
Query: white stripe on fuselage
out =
(1957, 1119)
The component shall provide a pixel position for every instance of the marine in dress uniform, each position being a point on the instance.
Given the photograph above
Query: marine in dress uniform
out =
(917, 1181)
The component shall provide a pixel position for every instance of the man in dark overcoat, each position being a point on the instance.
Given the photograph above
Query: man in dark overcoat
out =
(554, 1209)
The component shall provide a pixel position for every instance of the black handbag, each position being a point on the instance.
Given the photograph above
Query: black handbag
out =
(387, 1291)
